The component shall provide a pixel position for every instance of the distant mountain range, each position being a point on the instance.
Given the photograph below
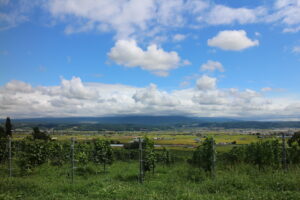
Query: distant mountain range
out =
(147, 122)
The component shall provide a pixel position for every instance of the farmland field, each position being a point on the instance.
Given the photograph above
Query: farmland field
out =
(160, 138)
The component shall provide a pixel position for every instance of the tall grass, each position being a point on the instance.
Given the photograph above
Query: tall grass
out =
(179, 181)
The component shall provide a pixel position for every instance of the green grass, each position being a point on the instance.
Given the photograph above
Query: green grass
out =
(179, 181)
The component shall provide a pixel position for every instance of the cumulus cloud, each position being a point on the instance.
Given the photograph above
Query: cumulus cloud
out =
(76, 98)
(154, 59)
(206, 83)
(212, 66)
(179, 37)
(151, 96)
(74, 88)
(234, 40)
(18, 86)
(220, 14)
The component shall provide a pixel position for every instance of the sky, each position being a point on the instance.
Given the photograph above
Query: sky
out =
(65, 58)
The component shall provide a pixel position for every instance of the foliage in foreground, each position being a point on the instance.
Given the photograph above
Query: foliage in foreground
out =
(50, 178)
(181, 181)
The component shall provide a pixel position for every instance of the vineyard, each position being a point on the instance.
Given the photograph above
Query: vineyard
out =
(43, 168)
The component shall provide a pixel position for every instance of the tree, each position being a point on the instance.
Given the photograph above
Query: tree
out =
(166, 157)
(235, 155)
(103, 153)
(8, 127)
(32, 153)
(149, 155)
(204, 156)
(262, 154)
(37, 134)
(294, 138)
(2, 133)
(3, 144)
(294, 150)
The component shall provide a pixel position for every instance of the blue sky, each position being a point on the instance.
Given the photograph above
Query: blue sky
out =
(184, 57)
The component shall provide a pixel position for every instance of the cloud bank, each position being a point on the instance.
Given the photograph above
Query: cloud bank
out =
(76, 98)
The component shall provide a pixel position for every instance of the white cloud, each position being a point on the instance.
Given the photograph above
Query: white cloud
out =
(271, 89)
(220, 14)
(154, 59)
(76, 98)
(179, 37)
(119, 15)
(257, 34)
(184, 84)
(18, 86)
(291, 30)
(16, 12)
(10, 20)
(170, 12)
(287, 12)
(196, 6)
(155, 17)
(128, 18)
(206, 83)
(296, 49)
(212, 66)
(186, 62)
(74, 88)
(266, 89)
(234, 40)
(151, 96)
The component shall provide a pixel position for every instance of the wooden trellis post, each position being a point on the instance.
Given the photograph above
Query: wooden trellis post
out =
(284, 164)
(213, 160)
(141, 175)
(9, 157)
(72, 159)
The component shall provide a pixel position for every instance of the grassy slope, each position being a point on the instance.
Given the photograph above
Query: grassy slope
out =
(179, 181)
